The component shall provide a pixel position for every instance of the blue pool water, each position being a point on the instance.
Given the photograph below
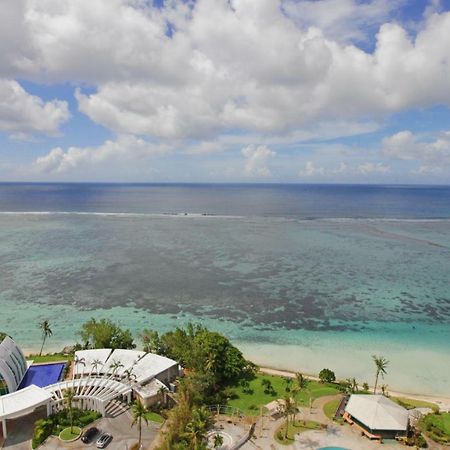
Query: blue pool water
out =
(42, 375)
(332, 448)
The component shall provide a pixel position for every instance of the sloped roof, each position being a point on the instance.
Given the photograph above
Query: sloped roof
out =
(377, 412)
(23, 401)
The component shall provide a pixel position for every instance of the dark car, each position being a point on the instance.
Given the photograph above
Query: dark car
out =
(89, 435)
(104, 440)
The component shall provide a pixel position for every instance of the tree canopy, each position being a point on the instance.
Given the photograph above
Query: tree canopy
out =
(205, 351)
(105, 334)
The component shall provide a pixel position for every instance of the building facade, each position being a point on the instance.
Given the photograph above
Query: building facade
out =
(13, 366)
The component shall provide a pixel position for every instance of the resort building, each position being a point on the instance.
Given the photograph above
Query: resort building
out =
(102, 379)
(13, 365)
(377, 416)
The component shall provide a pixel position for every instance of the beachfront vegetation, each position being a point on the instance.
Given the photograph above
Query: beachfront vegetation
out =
(51, 357)
(297, 426)
(250, 395)
(206, 353)
(437, 427)
(46, 332)
(105, 333)
(54, 424)
(381, 364)
(411, 403)
(212, 363)
(327, 376)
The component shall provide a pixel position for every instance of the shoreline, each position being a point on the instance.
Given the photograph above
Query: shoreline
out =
(439, 400)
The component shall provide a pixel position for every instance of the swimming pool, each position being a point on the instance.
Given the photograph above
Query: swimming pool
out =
(43, 375)
(332, 448)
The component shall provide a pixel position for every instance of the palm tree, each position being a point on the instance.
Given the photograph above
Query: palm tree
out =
(196, 429)
(381, 364)
(139, 411)
(129, 376)
(302, 385)
(46, 332)
(162, 393)
(77, 361)
(287, 409)
(96, 363)
(218, 441)
(69, 395)
(115, 366)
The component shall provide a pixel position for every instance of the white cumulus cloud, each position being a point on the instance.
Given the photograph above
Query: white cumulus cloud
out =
(433, 154)
(124, 148)
(260, 71)
(22, 113)
(256, 160)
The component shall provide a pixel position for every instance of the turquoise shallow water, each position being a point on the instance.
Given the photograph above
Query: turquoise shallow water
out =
(296, 294)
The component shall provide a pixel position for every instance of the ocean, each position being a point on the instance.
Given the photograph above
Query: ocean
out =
(300, 277)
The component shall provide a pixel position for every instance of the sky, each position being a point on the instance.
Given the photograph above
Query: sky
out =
(290, 91)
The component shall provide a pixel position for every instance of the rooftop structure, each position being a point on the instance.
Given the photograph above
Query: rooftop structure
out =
(377, 415)
(13, 365)
(137, 366)
(100, 376)
(22, 402)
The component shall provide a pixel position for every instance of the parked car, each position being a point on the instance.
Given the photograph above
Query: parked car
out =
(89, 435)
(104, 440)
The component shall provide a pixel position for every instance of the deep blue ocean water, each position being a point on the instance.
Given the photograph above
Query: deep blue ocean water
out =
(299, 276)
(263, 200)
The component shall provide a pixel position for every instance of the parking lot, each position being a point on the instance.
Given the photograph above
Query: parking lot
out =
(120, 427)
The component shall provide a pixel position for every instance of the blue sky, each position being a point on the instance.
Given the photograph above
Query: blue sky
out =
(296, 91)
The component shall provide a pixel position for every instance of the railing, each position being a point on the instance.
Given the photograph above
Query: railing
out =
(225, 410)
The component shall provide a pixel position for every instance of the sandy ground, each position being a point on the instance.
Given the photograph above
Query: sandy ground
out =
(442, 402)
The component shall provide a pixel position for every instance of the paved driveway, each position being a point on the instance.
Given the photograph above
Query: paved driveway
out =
(120, 427)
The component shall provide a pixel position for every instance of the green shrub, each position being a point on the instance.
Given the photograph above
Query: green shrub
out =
(327, 376)
(43, 428)
(54, 424)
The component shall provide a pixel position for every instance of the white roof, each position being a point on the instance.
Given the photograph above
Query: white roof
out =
(128, 359)
(144, 366)
(87, 357)
(23, 402)
(377, 412)
(152, 365)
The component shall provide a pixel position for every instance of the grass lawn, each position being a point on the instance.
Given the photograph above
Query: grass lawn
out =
(67, 435)
(250, 402)
(437, 426)
(154, 417)
(330, 408)
(49, 358)
(299, 426)
(410, 403)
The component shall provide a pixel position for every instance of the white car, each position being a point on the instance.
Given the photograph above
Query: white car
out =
(104, 440)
